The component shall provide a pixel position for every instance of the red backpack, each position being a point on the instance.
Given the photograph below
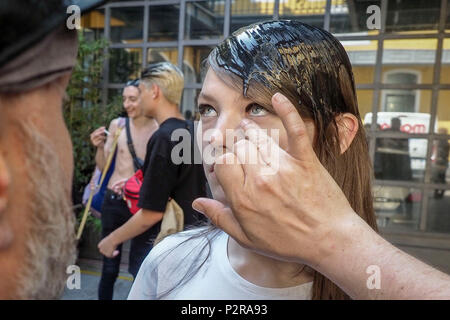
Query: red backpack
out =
(131, 191)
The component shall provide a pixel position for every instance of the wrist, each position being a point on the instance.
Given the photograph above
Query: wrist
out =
(338, 240)
(113, 239)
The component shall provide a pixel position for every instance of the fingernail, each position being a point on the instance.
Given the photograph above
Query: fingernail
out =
(197, 207)
(279, 97)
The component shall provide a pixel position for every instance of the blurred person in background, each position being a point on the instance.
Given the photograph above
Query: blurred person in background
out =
(161, 87)
(440, 163)
(115, 211)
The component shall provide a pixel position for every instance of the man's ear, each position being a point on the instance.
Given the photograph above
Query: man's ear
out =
(4, 183)
(156, 91)
(348, 127)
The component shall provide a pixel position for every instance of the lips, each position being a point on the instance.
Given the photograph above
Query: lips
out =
(211, 167)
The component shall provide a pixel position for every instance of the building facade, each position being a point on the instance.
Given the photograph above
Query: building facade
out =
(400, 52)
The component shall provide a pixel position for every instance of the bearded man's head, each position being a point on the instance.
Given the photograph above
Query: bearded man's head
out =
(37, 236)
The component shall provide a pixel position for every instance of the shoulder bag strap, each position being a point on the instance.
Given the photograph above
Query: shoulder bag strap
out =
(137, 164)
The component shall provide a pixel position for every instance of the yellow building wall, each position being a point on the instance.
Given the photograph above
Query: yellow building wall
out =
(365, 74)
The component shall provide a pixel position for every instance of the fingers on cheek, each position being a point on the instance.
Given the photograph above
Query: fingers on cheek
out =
(222, 162)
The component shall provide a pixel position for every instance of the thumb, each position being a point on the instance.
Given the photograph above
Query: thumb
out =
(221, 216)
(115, 253)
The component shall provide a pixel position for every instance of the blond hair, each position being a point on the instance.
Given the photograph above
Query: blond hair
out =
(167, 77)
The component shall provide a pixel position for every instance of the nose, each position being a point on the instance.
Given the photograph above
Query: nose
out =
(127, 105)
(226, 131)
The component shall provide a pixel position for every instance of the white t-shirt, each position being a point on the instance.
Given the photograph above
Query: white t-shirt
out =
(215, 280)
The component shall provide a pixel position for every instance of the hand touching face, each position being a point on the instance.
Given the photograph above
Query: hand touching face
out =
(222, 109)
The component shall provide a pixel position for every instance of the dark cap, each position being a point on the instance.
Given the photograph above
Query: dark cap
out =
(23, 23)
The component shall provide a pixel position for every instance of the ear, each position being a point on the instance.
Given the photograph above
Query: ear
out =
(348, 127)
(4, 184)
(156, 91)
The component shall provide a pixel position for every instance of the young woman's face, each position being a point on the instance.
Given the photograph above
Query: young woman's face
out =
(222, 108)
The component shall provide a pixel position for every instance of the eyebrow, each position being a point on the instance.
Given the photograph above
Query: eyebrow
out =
(206, 97)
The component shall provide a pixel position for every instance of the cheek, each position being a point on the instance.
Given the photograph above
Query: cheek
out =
(144, 98)
(203, 130)
(64, 147)
(59, 136)
(53, 128)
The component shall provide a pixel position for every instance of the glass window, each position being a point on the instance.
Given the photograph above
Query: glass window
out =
(416, 55)
(440, 152)
(410, 107)
(163, 23)
(413, 16)
(127, 24)
(115, 97)
(365, 101)
(405, 101)
(447, 24)
(245, 12)
(193, 58)
(93, 24)
(162, 54)
(189, 103)
(361, 52)
(397, 208)
(204, 19)
(443, 113)
(445, 61)
(362, 55)
(400, 159)
(439, 162)
(310, 12)
(131, 0)
(124, 64)
(410, 100)
(351, 17)
(438, 217)
(400, 100)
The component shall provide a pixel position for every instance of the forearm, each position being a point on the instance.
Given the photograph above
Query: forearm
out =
(138, 224)
(357, 255)
(100, 158)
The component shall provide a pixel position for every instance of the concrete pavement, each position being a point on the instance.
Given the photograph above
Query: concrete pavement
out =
(90, 278)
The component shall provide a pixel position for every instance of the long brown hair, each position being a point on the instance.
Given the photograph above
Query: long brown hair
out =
(311, 68)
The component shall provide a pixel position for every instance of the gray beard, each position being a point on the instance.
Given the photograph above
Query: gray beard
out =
(50, 244)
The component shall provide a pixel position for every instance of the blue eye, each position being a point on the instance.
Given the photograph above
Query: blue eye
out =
(256, 110)
(206, 110)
